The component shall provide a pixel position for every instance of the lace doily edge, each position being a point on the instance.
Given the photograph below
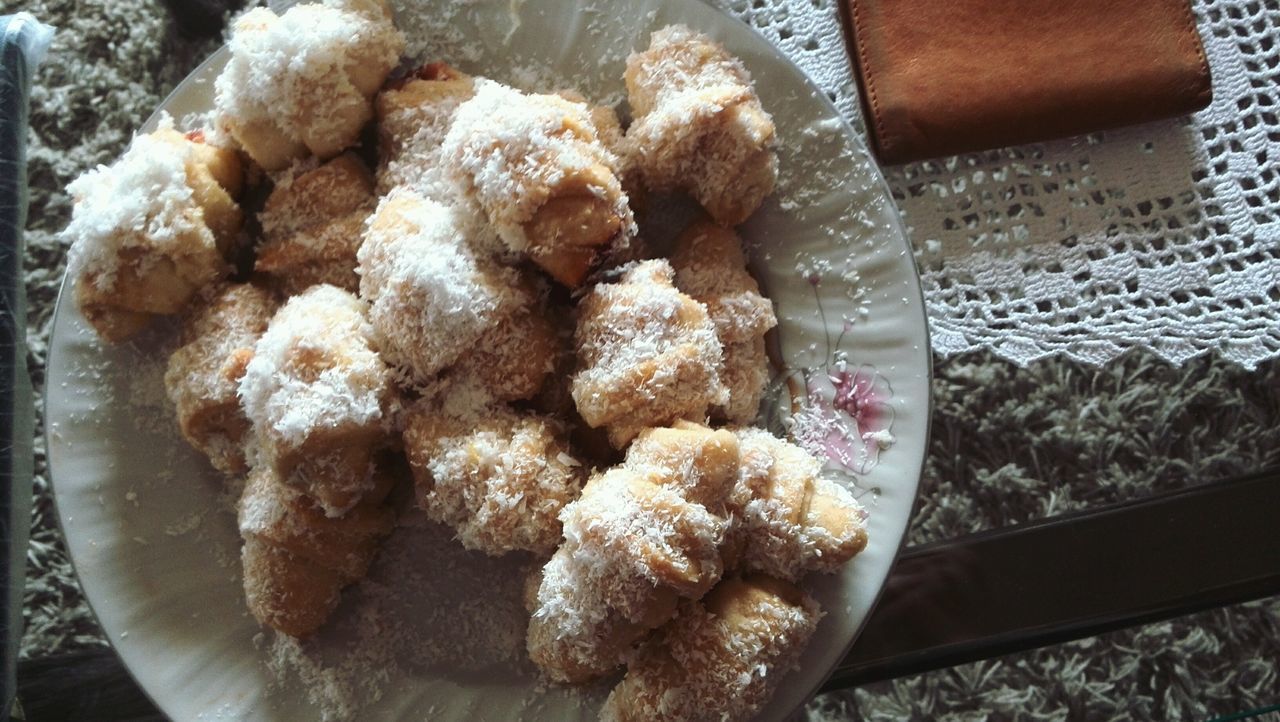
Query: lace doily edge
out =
(948, 340)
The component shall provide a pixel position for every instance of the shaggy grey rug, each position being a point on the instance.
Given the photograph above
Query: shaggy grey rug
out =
(1010, 445)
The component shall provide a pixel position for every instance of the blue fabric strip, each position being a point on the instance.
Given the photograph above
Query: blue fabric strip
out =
(23, 42)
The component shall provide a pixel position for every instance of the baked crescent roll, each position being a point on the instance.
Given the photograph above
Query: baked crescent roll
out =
(788, 519)
(642, 536)
(498, 477)
(152, 229)
(720, 659)
(319, 398)
(203, 376)
(699, 125)
(432, 297)
(711, 268)
(297, 559)
(312, 225)
(537, 167)
(302, 83)
(648, 354)
(414, 116)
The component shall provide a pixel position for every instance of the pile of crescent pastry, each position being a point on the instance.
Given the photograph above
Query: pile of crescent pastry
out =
(465, 308)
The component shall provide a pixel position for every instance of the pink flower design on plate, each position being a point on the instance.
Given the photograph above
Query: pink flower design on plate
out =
(847, 419)
(864, 395)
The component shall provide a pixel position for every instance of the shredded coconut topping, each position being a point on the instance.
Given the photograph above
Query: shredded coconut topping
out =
(648, 354)
(498, 477)
(203, 375)
(627, 530)
(679, 62)
(431, 296)
(641, 536)
(313, 368)
(296, 558)
(789, 520)
(711, 267)
(312, 225)
(720, 659)
(473, 176)
(513, 152)
(699, 124)
(141, 203)
(305, 78)
(413, 122)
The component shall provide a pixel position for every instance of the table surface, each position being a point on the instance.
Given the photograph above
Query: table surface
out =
(1168, 480)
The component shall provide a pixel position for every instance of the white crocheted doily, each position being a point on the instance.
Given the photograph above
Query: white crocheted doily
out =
(1164, 236)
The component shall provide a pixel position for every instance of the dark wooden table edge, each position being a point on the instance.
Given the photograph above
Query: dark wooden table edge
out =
(975, 597)
(1072, 576)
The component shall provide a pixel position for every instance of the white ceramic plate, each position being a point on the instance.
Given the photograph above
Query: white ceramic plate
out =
(157, 550)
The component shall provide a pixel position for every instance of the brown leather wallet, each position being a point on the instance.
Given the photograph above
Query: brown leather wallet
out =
(940, 77)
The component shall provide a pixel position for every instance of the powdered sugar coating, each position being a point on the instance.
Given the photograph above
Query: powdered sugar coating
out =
(647, 354)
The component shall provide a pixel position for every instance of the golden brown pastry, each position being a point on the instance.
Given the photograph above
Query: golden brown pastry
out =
(537, 167)
(644, 525)
(699, 125)
(413, 118)
(556, 399)
(297, 559)
(302, 83)
(148, 232)
(203, 376)
(712, 269)
(788, 519)
(641, 536)
(432, 298)
(312, 225)
(700, 462)
(609, 130)
(721, 658)
(216, 178)
(647, 355)
(318, 397)
(746, 374)
(498, 477)
(512, 361)
(574, 635)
